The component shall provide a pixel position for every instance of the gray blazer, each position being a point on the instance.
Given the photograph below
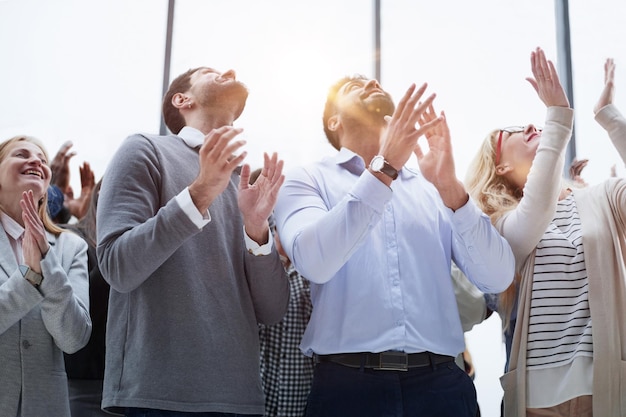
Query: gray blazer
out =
(38, 324)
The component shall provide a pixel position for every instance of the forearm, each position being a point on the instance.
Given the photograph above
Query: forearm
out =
(130, 250)
(612, 120)
(320, 239)
(269, 287)
(17, 298)
(65, 307)
(480, 251)
(524, 226)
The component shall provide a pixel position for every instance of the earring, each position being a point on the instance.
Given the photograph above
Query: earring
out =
(188, 105)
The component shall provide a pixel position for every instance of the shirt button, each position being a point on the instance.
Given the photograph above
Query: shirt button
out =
(396, 282)
(26, 344)
(398, 323)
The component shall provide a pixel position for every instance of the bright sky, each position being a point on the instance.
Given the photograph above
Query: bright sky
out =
(91, 72)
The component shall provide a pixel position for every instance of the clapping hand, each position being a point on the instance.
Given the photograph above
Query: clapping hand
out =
(35, 243)
(257, 201)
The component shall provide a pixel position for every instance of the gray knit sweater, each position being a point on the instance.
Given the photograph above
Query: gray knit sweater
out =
(184, 305)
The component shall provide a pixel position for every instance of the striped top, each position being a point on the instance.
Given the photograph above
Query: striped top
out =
(560, 326)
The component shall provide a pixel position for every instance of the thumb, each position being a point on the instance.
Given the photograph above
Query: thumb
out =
(418, 152)
(533, 83)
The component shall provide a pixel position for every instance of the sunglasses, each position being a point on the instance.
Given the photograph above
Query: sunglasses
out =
(509, 130)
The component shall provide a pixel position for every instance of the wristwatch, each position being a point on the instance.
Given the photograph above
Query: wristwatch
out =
(379, 164)
(31, 276)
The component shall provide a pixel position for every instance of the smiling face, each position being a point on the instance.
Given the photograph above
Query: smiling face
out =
(365, 97)
(23, 167)
(355, 99)
(515, 152)
(211, 88)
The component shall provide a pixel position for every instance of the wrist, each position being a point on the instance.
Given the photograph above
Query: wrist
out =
(32, 276)
(260, 234)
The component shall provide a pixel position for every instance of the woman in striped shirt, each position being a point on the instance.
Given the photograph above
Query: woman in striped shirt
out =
(568, 298)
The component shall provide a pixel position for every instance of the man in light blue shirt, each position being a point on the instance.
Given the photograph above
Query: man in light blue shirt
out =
(376, 240)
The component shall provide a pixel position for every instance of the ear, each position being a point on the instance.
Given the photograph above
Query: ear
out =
(180, 101)
(333, 123)
(503, 169)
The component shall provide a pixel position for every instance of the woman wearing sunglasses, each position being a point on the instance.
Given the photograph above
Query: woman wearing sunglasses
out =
(568, 300)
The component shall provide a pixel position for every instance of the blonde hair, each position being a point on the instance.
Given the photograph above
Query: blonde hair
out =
(48, 224)
(495, 196)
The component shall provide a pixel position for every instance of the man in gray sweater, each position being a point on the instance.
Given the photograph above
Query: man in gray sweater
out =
(184, 242)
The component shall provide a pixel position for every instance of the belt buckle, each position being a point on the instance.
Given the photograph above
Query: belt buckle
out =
(393, 361)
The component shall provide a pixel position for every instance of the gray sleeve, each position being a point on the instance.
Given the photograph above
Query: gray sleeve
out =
(65, 306)
(269, 287)
(136, 232)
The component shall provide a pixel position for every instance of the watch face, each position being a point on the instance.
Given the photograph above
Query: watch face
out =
(377, 163)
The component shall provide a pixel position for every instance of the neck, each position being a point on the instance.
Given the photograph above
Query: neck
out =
(363, 140)
(14, 212)
(206, 122)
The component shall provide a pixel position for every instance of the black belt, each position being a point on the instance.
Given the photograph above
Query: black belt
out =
(389, 361)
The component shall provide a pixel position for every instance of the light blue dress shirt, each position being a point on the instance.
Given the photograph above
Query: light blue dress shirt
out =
(378, 258)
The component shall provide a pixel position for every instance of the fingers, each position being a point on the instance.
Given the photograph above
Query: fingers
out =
(609, 71)
(406, 108)
(272, 167)
(219, 147)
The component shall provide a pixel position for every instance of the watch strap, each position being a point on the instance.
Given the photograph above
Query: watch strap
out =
(31, 276)
(386, 168)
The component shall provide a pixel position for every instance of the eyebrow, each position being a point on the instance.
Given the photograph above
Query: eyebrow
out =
(39, 153)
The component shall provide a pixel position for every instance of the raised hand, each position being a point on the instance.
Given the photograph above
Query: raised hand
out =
(78, 206)
(217, 162)
(35, 243)
(60, 167)
(576, 169)
(257, 201)
(437, 164)
(546, 80)
(606, 97)
(401, 134)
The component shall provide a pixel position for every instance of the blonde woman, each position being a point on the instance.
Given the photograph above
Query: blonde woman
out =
(44, 288)
(569, 345)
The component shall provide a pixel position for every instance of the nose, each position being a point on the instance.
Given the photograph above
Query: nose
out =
(530, 128)
(229, 74)
(372, 84)
(34, 159)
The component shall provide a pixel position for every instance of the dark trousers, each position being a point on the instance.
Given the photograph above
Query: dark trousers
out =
(146, 412)
(444, 390)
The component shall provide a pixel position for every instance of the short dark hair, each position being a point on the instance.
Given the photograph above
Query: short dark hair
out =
(330, 108)
(171, 115)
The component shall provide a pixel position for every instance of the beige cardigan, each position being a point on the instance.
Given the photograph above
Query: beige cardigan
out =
(602, 210)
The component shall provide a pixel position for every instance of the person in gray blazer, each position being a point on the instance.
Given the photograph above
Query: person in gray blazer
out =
(44, 288)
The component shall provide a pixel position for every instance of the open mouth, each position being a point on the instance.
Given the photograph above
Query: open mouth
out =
(33, 172)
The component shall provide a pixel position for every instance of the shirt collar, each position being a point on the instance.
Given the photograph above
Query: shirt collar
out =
(191, 136)
(350, 161)
(13, 228)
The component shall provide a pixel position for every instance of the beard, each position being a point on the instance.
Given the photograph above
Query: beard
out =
(232, 94)
(377, 106)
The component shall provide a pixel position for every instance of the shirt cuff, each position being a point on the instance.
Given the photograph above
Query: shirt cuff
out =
(189, 208)
(256, 249)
